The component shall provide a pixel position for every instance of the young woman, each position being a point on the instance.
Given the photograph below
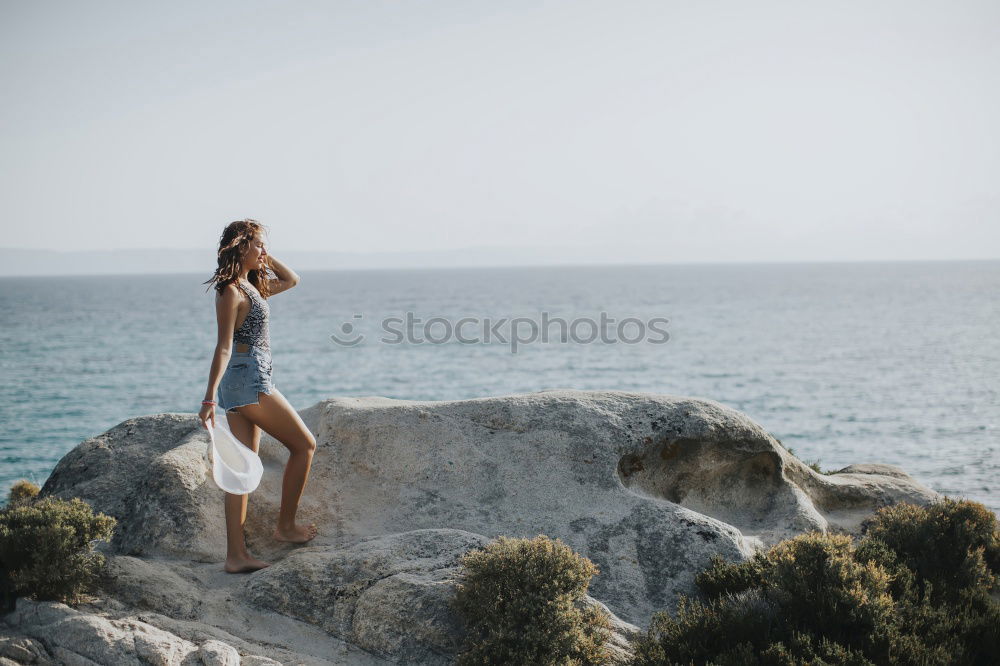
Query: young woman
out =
(242, 380)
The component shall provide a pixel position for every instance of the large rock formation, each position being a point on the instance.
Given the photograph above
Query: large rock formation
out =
(649, 487)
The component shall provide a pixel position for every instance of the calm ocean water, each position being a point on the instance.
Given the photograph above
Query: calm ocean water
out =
(845, 363)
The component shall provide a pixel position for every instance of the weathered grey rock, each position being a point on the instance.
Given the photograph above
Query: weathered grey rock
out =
(754, 484)
(649, 487)
(150, 474)
(261, 636)
(388, 594)
(22, 650)
(49, 632)
(646, 486)
(71, 636)
(217, 653)
(622, 633)
(152, 584)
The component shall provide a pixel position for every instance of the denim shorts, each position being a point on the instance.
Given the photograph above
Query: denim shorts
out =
(247, 373)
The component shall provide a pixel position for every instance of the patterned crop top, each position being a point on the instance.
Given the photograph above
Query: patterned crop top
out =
(254, 330)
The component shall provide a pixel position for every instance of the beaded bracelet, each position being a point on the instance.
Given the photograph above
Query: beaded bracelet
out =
(208, 402)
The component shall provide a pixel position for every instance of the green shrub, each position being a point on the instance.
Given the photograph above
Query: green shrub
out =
(518, 599)
(723, 577)
(915, 590)
(805, 600)
(804, 648)
(961, 632)
(945, 561)
(21, 492)
(952, 544)
(721, 631)
(45, 547)
(816, 581)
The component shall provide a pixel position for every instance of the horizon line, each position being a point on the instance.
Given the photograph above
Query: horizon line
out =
(566, 265)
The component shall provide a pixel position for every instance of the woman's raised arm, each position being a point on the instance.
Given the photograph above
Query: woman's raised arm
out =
(286, 277)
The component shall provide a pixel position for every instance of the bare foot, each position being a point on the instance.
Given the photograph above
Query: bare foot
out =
(297, 534)
(244, 564)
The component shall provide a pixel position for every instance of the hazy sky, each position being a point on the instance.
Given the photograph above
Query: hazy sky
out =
(678, 131)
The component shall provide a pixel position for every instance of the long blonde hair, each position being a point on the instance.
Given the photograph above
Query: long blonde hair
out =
(233, 244)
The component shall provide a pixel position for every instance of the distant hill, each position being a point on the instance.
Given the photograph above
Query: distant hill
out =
(27, 262)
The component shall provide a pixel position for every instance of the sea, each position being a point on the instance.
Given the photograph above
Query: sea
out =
(868, 362)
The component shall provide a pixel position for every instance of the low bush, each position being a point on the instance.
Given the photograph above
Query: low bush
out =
(953, 545)
(725, 578)
(918, 588)
(518, 599)
(21, 492)
(944, 560)
(46, 547)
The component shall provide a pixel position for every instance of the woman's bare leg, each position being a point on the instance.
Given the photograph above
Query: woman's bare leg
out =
(279, 419)
(238, 558)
